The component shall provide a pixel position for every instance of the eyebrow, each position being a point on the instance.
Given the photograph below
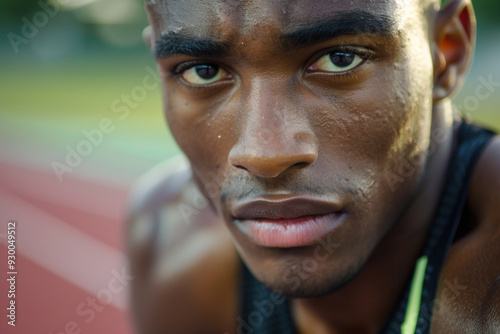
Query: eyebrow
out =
(171, 44)
(343, 23)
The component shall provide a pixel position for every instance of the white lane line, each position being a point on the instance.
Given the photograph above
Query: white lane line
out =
(65, 251)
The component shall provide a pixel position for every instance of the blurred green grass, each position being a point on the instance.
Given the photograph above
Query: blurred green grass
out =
(69, 89)
(45, 106)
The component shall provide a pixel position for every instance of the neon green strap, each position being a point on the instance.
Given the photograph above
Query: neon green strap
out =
(412, 309)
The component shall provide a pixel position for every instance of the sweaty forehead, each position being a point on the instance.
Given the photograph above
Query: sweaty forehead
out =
(221, 19)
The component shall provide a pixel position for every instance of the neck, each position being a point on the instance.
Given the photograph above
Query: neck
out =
(364, 305)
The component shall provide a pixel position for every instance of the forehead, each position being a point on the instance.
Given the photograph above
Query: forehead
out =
(222, 18)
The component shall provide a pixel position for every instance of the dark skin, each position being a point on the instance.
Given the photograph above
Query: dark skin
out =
(268, 106)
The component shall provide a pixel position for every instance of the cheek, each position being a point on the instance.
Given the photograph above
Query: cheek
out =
(401, 134)
(412, 120)
(203, 133)
(378, 134)
(375, 123)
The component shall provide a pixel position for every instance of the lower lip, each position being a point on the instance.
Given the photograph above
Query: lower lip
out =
(288, 233)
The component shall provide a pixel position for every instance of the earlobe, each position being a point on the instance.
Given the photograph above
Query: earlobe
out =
(147, 36)
(455, 39)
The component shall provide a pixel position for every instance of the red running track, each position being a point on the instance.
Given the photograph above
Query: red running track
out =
(69, 252)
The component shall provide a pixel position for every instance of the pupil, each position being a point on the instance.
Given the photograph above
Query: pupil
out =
(342, 59)
(206, 71)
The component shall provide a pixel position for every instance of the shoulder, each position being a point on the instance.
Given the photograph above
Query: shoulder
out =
(181, 256)
(468, 299)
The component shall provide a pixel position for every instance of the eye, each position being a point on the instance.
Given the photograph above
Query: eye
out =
(203, 74)
(336, 62)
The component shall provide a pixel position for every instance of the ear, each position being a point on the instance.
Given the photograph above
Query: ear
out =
(455, 38)
(147, 36)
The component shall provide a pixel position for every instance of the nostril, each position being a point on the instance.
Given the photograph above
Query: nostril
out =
(300, 164)
(241, 167)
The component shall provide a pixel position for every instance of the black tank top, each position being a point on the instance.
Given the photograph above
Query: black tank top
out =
(264, 312)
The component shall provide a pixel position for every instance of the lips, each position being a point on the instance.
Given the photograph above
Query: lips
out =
(285, 222)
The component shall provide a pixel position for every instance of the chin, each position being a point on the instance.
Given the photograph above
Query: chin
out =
(297, 281)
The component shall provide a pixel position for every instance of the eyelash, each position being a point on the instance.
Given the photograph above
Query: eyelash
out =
(364, 53)
(179, 69)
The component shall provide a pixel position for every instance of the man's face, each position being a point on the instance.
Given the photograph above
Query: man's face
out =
(297, 117)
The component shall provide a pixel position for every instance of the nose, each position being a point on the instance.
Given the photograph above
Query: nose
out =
(272, 159)
(275, 137)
